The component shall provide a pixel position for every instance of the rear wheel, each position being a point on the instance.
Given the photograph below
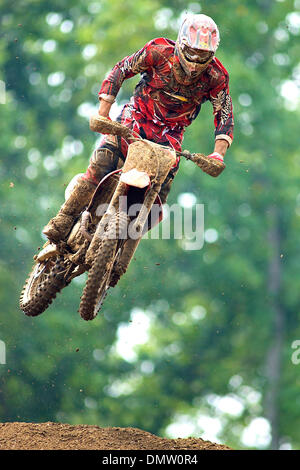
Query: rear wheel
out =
(100, 272)
(46, 279)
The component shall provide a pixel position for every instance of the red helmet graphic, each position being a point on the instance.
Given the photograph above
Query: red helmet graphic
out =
(197, 42)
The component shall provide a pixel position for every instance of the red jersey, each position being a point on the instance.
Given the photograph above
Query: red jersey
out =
(161, 107)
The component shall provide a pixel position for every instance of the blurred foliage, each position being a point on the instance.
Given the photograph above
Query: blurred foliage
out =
(223, 318)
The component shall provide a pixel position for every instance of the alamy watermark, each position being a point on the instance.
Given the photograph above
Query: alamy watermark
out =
(180, 223)
(2, 352)
(296, 354)
(2, 92)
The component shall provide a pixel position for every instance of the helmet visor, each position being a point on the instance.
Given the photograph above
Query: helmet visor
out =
(196, 55)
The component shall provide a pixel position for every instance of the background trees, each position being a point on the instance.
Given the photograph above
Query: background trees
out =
(215, 326)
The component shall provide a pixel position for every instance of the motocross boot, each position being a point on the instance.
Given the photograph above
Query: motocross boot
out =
(102, 162)
(59, 227)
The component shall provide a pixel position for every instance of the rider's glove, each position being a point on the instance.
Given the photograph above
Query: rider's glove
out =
(106, 126)
(216, 156)
(212, 164)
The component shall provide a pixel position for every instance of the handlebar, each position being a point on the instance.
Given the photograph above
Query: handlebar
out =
(106, 126)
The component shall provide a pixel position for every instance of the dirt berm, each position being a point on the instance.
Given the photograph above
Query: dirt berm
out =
(58, 436)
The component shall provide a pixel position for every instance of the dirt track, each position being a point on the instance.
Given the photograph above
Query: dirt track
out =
(57, 436)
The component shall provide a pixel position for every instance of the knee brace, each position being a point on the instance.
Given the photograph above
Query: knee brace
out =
(102, 162)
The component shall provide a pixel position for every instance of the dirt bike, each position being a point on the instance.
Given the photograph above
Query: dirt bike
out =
(104, 238)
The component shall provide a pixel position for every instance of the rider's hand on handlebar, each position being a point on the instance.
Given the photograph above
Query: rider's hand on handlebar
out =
(212, 164)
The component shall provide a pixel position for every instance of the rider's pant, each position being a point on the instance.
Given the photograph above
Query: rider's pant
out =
(108, 158)
(104, 160)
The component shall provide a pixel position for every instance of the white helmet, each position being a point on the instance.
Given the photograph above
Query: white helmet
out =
(197, 42)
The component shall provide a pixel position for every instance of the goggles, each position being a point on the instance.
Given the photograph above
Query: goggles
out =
(196, 55)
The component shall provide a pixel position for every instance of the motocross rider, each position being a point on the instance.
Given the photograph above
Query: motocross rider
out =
(176, 78)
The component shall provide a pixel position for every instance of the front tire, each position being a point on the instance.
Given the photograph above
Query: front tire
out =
(100, 272)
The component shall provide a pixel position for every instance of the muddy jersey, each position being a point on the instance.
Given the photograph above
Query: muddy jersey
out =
(161, 107)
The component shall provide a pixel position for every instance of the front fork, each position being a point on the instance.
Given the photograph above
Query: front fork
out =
(147, 205)
(119, 203)
(132, 243)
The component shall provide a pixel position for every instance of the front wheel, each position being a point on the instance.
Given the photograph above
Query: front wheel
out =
(100, 272)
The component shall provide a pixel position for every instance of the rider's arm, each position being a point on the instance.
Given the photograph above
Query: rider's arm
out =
(128, 67)
(223, 114)
(221, 146)
(105, 105)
